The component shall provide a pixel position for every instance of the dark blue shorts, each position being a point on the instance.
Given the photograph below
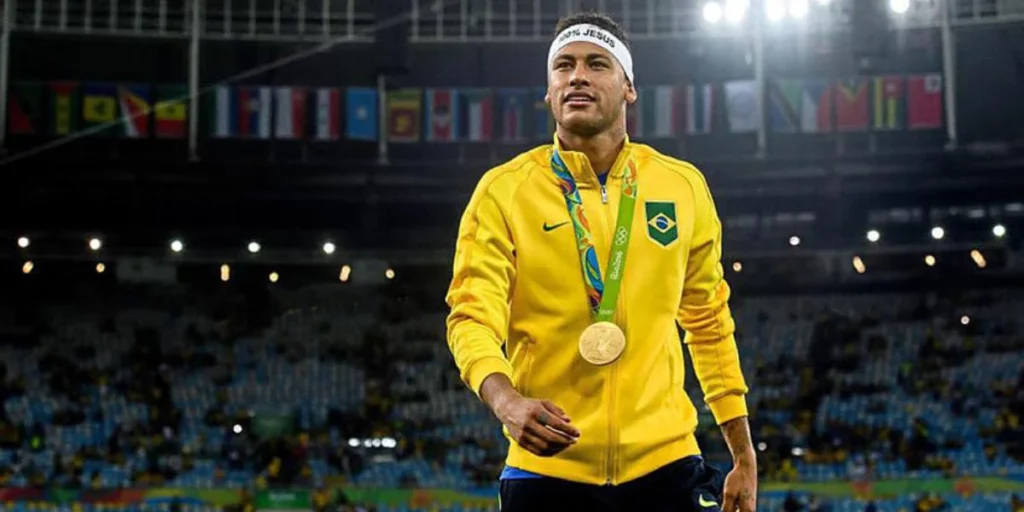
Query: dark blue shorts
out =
(686, 485)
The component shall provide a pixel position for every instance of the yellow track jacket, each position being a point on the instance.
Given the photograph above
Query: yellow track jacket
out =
(518, 306)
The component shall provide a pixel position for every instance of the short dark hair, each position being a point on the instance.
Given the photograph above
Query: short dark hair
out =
(593, 18)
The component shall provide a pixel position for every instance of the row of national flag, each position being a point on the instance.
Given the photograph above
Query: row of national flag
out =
(439, 115)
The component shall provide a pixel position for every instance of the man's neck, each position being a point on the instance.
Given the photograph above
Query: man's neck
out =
(601, 149)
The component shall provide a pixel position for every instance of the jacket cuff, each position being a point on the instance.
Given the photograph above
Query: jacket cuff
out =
(728, 407)
(483, 368)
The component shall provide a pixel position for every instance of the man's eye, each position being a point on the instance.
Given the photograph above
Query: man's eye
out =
(563, 65)
(599, 64)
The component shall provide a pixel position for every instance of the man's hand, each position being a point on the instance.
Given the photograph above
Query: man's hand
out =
(740, 491)
(537, 425)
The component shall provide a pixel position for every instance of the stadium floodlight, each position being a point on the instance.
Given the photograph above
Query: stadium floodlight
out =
(712, 12)
(858, 265)
(964, 320)
(177, 245)
(798, 9)
(999, 230)
(874, 235)
(794, 241)
(736, 10)
(24, 242)
(274, 277)
(95, 244)
(225, 272)
(329, 247)
(100, 268)
(929, 260)
(27, 267)
(737, 267)
(237, 429)
(775, 10)
(389, 273)
(353, 442)
(938, 232)
(254, 247)
(899, 6)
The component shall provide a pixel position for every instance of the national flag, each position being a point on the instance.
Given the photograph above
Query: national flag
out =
(100, 107)
(851, 105)
(170, 114)
(742, 105)
(816, 107)
(224, 122)
(404, 110)
(477, 114)
(699, 108)
(290, 113)
(361, 113)
(543, 120)
(785, 97)
(63, 107)
(135, 102)
(924, 101)
(327, 114)
(662, 111)
(512, 114)
(888, 103)
(442, 114)
(24, 108)
(254, 111)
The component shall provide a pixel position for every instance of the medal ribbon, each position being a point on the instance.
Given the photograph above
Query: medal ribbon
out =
(601, 295)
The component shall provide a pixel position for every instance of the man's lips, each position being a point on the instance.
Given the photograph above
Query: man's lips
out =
(578, 98)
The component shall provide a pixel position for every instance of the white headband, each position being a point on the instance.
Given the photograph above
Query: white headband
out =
(598, 36)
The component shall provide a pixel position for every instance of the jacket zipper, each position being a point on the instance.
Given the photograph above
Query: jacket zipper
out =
(610, 469)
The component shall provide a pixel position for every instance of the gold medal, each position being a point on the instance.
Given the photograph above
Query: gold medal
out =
(602, 343)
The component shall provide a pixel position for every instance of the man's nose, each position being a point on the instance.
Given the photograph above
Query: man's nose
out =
(579, 76)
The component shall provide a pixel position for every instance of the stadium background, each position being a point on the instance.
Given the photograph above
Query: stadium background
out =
(287, 351)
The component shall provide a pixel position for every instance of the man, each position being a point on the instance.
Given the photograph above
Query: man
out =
(589, 386)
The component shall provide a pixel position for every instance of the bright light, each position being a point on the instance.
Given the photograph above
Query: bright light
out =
(874, 235)
(797, 451)
(735, 10)
(329, 248)
(938, 233)
(390, 274)
(24, 242)
(237, 429)
(979, 258)
(737, 267)
(858, 265)
(798, 8)
(388, 442)
(254, 247)
(794, 241)
(999, 230)
(964, 320)
(762, 446)
(712, 12)
(274, 277)
(100, 268)
(899, 6)
(95, 244)
(225, 272)
(929, 260)
(177, 246)
(775, 10)
(27, 267)
(346, 271)
(353, 442)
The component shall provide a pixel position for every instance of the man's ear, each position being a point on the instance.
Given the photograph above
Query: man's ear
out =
(630, 93)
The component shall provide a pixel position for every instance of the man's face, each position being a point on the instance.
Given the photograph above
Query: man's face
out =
(587, 89)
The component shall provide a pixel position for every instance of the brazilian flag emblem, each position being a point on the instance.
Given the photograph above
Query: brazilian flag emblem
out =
(661, 222)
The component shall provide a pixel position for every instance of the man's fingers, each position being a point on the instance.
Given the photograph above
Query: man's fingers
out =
(555, 409)
(548, 434)
(549, 419)
(533, 443)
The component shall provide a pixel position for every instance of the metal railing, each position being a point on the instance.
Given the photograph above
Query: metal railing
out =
(441, 20)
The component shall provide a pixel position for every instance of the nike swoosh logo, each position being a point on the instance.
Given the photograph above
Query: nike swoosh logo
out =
(548, 227)
(706, 503)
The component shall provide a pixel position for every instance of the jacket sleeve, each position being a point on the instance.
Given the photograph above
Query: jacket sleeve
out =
(483, 273)
(705, 316)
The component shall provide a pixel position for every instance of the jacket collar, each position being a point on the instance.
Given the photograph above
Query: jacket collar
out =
(579, 165)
